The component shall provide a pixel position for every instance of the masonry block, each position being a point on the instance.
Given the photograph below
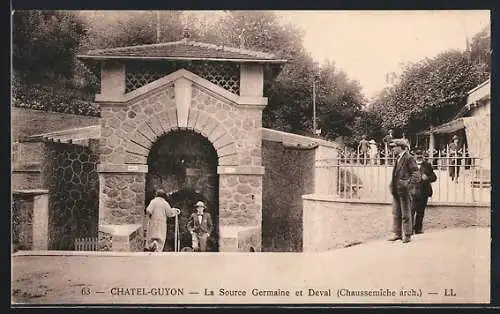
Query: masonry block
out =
(136, 149)
(200, 122)
(172, 118)
(141, 140)
(146, 130)
(228, 160)
(227, 150)
(209, 127)
(218, 132)
(156, 126)
(225, 140)
(135, 159)
(193, 116)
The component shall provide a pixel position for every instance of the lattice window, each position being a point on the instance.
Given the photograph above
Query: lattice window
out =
(225, 75)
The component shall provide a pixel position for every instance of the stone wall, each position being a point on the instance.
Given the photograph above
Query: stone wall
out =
(330, 223)
(69, 173)
(134, 122)
(121, 198)
(241, 126)
(289, 175)
(129, 131)
(105, 241)
(240, 200)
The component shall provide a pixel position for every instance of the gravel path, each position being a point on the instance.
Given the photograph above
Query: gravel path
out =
(457, 259)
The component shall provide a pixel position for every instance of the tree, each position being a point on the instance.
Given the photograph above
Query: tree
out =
(108, 29)
(432, 91)
(290, 94)
(479, 52)
(44, 44)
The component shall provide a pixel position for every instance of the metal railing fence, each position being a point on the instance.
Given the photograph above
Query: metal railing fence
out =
(461, 178)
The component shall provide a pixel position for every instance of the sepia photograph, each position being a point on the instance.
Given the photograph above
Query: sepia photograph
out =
(250, 157)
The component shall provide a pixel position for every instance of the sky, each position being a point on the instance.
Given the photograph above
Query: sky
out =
(369, 44)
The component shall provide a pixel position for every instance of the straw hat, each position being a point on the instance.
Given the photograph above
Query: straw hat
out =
(200, 204)
(399, 142)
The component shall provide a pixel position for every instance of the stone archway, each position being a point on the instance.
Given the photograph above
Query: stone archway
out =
(184, 164)
(181, 102)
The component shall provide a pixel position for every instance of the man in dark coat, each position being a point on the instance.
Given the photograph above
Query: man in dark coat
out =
(404, 178)
(200, 226)
(423, 191)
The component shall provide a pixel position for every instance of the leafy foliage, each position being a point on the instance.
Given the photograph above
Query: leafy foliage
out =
(432, 91)
(44, 43)
(108, 29)
(44, 48)
(290, 107)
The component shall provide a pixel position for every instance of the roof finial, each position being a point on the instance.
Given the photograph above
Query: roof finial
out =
(242, 39)
(185, 32)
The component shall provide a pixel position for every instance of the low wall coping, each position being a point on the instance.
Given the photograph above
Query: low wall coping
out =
(134, 254)
(255, 170)
(31, 192)
(26, 170)
(122, 168)
(119, 230)
(294, 139)
(333, 198)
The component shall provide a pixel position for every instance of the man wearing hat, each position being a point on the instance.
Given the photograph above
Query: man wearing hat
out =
(456, 153)
(156, 213)
(200, 226)
(404, 179)
(422, 192)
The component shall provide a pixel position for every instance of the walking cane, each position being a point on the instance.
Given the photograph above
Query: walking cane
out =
(178, 238)
(176, 234)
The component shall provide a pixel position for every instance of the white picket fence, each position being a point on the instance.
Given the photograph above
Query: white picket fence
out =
(86, 244)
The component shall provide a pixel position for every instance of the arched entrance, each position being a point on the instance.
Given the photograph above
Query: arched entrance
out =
(184, 164)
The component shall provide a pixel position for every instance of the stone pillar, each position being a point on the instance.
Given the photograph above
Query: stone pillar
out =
(240, 208)
(431, 146)
(41, 221)
(325, 171)
(251, 79)
(112, 80)
(121, 205)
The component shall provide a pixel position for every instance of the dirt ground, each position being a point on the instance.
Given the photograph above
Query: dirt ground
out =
(430, 266)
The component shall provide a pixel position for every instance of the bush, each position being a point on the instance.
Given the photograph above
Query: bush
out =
(47, 98)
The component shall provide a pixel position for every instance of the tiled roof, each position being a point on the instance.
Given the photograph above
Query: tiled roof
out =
(182, 50)
(78, 136)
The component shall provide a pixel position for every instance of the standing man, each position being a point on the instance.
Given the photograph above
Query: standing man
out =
(387, 141)
(404, 178)
(455, 153)
(200, 226)
(422, 192)
(363, 148)
(156, 213)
